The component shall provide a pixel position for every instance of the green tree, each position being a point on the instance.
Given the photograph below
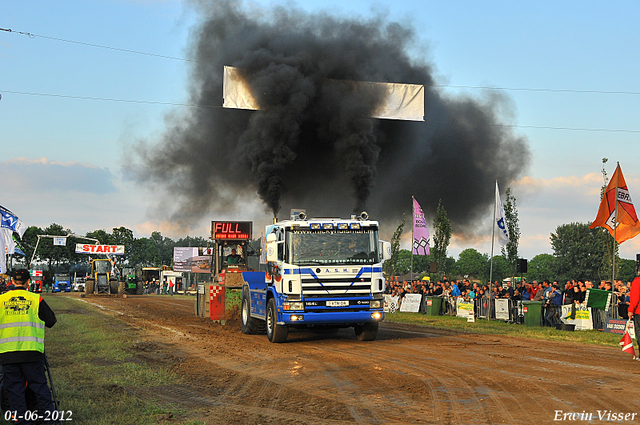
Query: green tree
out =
(578, 251)
(501, 269)
(403, 265)
(471, 262)
(510, 252)
(626, 270)
(441, 238)
(390, 266)
(541, 267)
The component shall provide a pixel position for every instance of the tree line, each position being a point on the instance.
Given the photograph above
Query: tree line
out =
(153, 251)
(579, 253)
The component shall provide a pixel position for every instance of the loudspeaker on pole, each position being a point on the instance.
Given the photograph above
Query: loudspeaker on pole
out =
(521, 265)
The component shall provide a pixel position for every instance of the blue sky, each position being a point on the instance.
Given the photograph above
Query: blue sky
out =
(570, 69)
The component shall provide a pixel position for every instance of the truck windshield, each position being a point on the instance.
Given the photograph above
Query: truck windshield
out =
(102, 267)
(308, 247)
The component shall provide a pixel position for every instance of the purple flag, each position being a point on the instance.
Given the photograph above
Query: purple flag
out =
(420, 231)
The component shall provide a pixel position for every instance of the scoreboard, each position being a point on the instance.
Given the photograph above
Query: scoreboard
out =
(231, 230)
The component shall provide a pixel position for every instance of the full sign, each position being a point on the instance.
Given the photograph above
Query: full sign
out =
(231, 230)
(99, 249)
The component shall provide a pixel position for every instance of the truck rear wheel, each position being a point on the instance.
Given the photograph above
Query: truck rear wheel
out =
(366, 331)
(88, 286)
(275, 333)
(113, 286)
(139, 288)
(121, 287)
(248, 324)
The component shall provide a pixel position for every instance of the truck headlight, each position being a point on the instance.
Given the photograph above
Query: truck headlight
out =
(375, 304)
(293, 305)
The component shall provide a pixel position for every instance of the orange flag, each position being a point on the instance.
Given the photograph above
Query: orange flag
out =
(627, 220)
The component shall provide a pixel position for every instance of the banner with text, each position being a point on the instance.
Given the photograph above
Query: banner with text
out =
(411, 303)
(82, 248)
(579, 316)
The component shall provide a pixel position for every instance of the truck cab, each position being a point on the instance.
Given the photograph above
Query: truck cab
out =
(61, 282)
(321, 272)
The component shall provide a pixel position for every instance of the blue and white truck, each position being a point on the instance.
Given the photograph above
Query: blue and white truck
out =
(61, 282)
(321, 273)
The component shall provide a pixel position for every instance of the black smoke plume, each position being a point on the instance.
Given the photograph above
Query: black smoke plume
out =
(312, 144)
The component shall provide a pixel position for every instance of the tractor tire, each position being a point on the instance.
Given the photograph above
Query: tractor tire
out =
(121, 287)
(275, 332)
(139, 288)
(89, 286)
(248, 324)
(113, 286)
(366, 331)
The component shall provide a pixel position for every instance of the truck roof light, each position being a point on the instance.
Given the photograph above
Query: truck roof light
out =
(343, 226)
(327, 226)
(355, 226)
(316, 226)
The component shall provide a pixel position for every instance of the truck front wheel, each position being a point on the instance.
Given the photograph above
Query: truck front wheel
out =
(249, 325)
(275, 332)
(367, 331)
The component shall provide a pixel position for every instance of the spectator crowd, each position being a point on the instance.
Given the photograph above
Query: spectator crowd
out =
(551, 294)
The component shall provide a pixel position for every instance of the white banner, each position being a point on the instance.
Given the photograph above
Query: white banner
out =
(99, 249)
(390, 303)
(411, 303)
(582, 318)
(61, 241)
(463, 308)
(402, 102)
(502, 309)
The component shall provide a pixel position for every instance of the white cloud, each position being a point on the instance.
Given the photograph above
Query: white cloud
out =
(27, 174)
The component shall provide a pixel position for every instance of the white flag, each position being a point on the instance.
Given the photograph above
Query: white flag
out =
(503, 233)
(5, 234)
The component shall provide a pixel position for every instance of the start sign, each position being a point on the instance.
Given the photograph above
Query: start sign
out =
(99, 249)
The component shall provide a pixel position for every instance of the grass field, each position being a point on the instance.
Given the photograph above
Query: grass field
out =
(496, 327)
(94, 364)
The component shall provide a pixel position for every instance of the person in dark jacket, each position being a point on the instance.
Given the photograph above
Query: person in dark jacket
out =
(23, 317)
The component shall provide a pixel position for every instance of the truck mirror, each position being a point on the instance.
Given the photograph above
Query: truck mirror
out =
(385, 248)
(271, 237)
(272, 251)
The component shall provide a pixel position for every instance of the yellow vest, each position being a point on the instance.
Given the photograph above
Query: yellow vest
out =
(20, 327)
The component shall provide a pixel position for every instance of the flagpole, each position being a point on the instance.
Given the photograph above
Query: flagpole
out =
(615, 230)
(493, 237)
(413, 225)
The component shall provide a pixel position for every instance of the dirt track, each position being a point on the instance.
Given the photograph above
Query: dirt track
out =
(408, 375)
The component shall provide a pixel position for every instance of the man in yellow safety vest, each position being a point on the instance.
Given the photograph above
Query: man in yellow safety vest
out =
(23, 317)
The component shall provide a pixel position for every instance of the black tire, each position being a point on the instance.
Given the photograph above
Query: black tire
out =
(366, 331)
(276, 333)
(248, 324)
(89, 286)
(113, 286)
(139, 288)
(121, 287)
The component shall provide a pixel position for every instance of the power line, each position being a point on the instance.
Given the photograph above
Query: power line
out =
(151, 102)
(529, 89)
(537, 89)
(30, 35)
(108, 99)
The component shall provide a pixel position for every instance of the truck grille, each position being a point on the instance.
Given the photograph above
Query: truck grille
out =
(336, 287)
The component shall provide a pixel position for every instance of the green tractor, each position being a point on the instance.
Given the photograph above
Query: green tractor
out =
(130, 283)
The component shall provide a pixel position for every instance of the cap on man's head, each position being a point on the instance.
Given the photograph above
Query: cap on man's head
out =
(21, 275)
